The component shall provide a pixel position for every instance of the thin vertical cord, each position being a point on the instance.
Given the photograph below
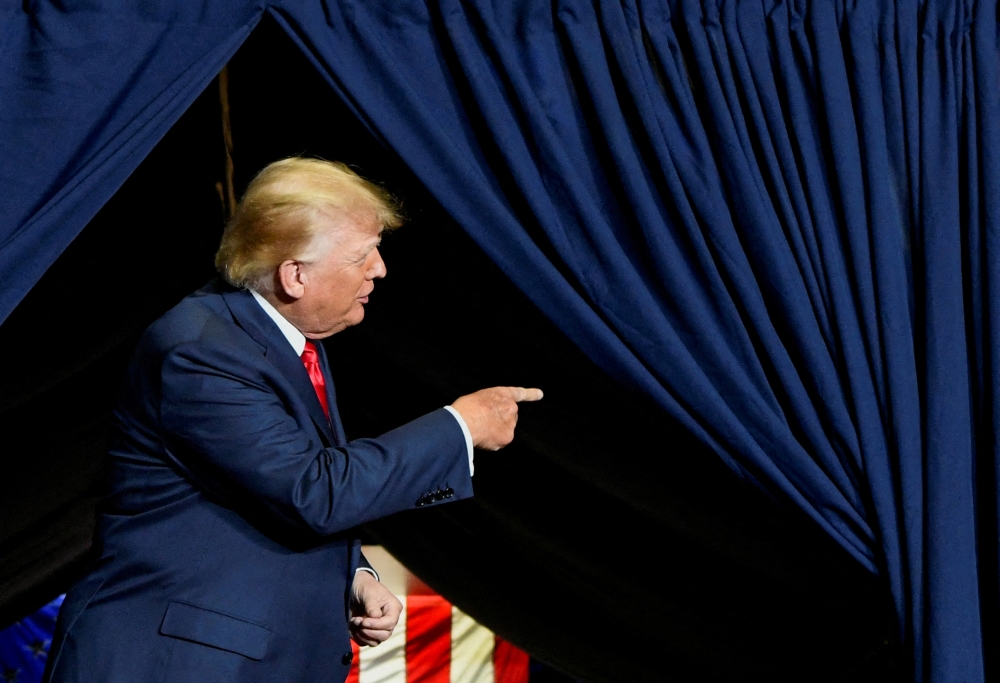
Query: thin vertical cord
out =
(227, 192)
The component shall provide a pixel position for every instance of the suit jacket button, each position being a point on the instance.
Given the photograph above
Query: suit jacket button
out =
(449, 492)
(347, 659)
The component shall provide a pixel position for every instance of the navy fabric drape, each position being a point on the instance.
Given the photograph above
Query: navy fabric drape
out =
(86, 90)
(779, 219)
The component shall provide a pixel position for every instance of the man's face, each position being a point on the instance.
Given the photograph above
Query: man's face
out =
(338, 284)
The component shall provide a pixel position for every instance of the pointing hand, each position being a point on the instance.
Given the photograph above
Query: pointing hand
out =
(491, 414)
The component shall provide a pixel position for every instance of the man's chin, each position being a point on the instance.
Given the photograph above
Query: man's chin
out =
(353, 319)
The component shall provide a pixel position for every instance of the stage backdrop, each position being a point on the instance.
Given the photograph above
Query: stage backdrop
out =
(777, 219)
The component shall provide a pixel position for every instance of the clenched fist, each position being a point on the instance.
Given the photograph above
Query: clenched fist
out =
(492, 413)
(374, 610)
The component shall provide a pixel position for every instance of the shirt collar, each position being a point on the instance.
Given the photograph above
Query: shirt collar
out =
(294, 337)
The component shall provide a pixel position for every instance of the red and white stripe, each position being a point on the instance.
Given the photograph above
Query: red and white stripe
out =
(435, 642)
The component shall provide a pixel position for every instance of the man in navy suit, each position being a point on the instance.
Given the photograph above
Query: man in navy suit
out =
(225, 545)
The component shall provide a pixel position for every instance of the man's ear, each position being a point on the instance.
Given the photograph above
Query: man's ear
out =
(292, 278)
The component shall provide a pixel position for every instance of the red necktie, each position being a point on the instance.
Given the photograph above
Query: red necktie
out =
(310, 359)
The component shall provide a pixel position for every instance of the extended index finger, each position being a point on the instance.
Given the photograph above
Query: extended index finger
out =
(520, 394)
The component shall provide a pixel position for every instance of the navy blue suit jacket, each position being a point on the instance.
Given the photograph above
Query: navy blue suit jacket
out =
(225, 545)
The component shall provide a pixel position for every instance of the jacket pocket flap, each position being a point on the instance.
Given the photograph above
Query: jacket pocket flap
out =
(215, 630)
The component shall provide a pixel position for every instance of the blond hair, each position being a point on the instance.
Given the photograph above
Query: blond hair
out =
(278, 217)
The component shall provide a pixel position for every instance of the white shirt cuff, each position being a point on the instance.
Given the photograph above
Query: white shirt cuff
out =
(468, 436)
(369, 570)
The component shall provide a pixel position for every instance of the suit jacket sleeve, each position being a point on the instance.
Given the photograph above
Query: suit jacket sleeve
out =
(224, 423)
(363, 563)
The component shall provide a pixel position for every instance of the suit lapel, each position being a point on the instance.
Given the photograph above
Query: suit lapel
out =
(256, 323)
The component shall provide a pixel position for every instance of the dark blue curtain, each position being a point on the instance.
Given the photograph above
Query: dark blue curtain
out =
(87, 89)
(779, 219)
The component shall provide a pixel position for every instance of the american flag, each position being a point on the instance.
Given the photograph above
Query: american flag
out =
(25, 645)
(435, 642)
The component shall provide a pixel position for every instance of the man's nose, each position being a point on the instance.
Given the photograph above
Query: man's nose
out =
(378, 268)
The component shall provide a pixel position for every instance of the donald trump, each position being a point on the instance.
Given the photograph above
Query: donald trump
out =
(224, 549)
